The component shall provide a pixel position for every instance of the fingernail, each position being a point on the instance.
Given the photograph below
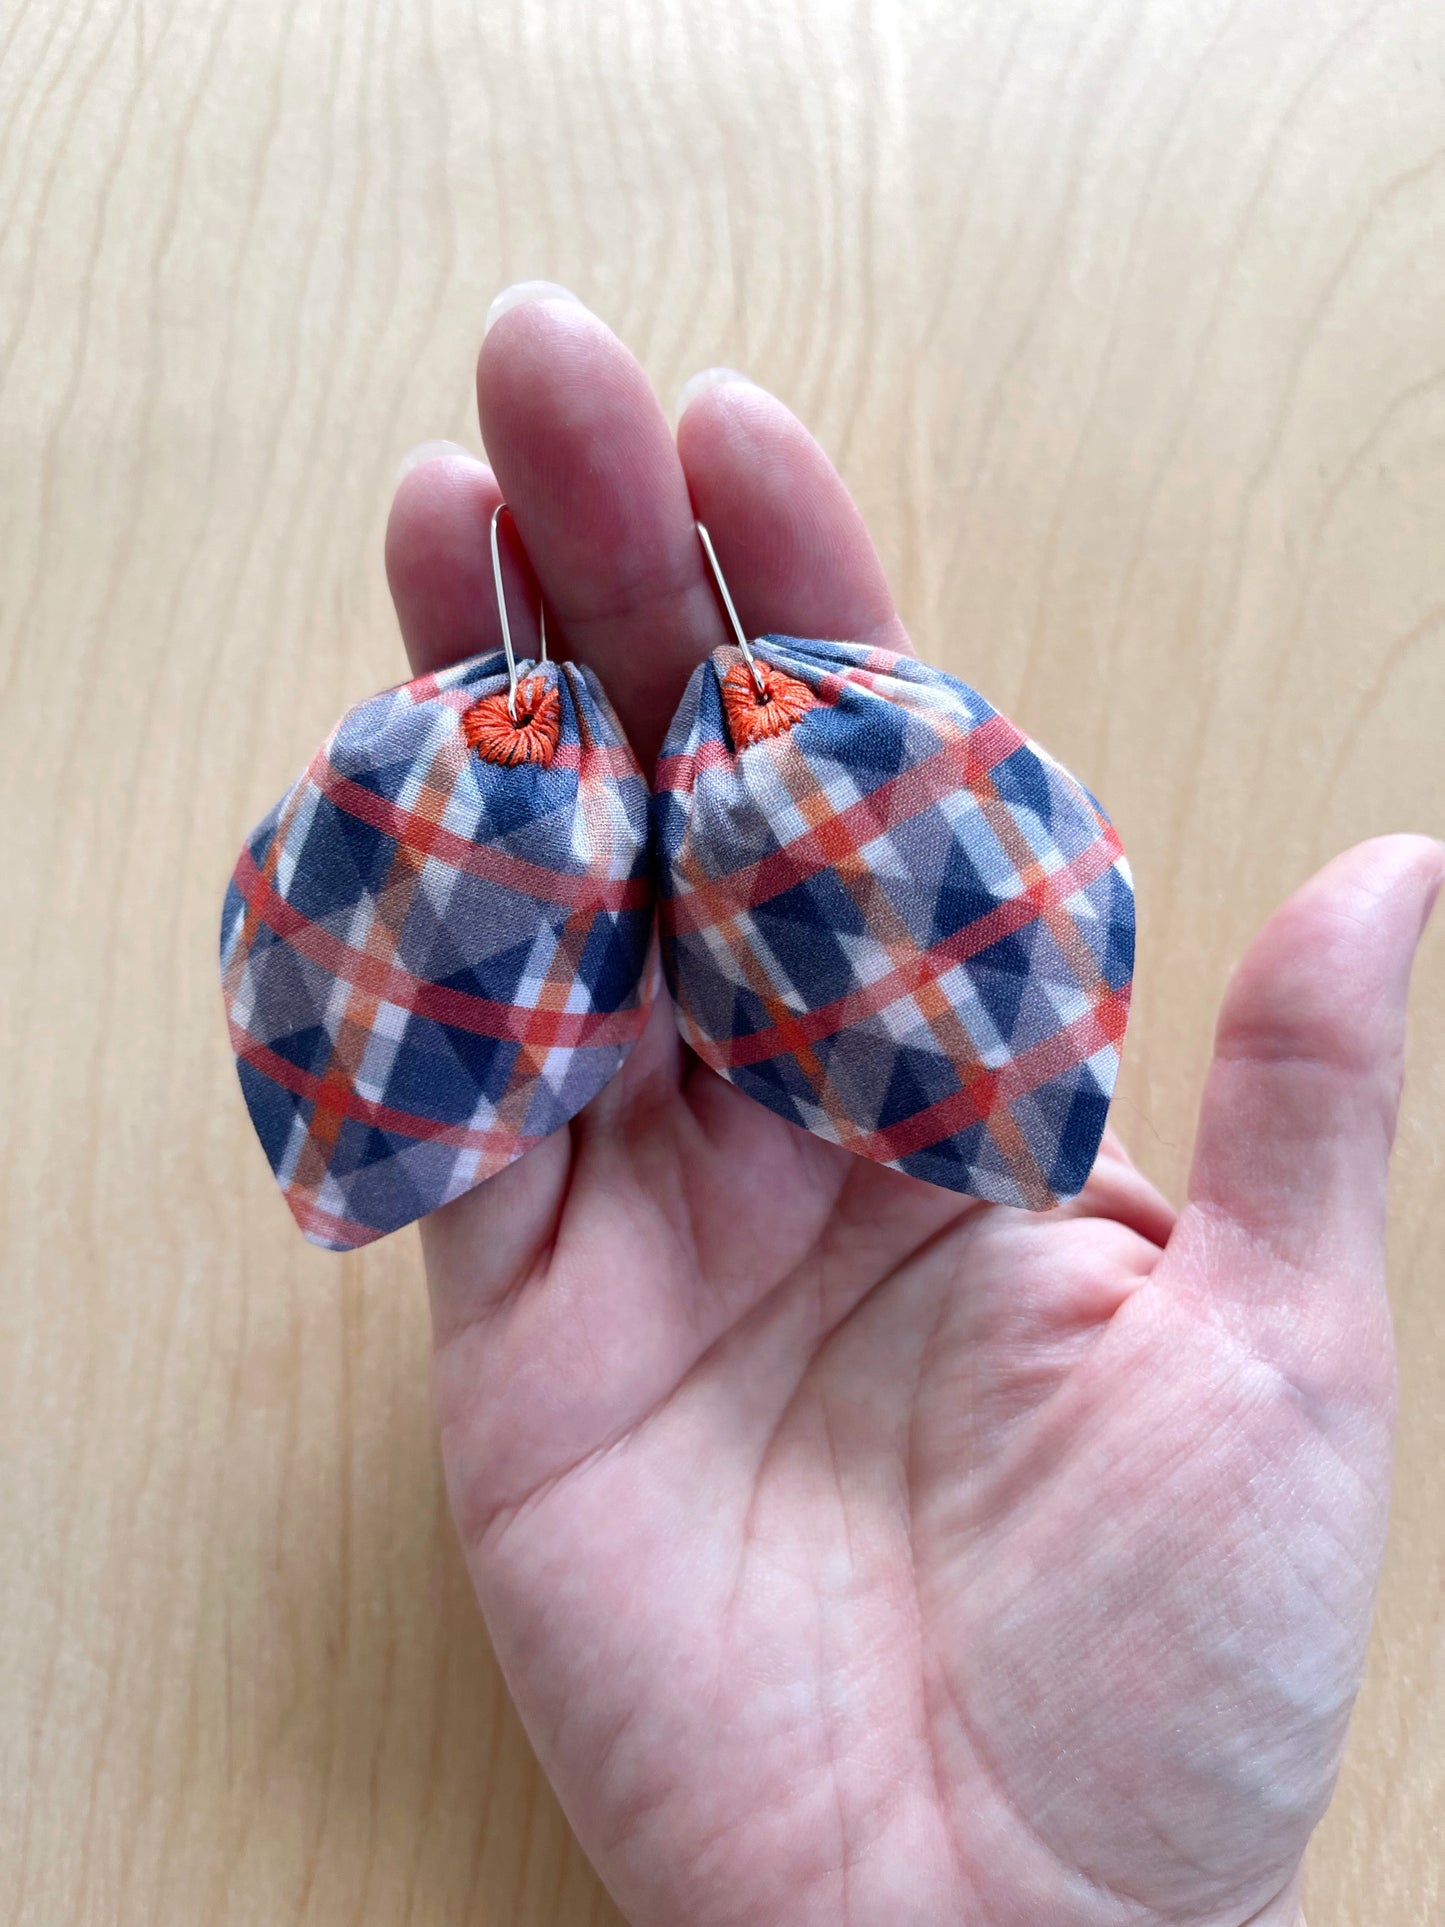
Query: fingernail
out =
(706, 378)
(430, 452)
(522, 292)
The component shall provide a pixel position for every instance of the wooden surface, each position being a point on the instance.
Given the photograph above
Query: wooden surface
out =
(1124, 321)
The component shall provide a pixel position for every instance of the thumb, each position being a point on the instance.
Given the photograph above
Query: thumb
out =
(1287, 1193)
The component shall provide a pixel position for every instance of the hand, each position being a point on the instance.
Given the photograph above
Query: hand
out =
(857, 1552)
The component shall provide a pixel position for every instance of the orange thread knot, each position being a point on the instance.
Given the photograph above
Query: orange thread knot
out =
(531, 737)
(751, 715)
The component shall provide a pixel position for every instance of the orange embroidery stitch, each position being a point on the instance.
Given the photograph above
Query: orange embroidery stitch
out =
(751, 717)
(490, 730)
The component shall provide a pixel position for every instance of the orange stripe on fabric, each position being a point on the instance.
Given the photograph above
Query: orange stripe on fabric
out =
(391, 984)
(580, 891)
(351, 1106)
(1021, 1075)
(910, 794)
(1015, 913)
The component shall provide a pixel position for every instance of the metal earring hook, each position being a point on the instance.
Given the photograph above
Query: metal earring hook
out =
(497, 514)
(727, 603)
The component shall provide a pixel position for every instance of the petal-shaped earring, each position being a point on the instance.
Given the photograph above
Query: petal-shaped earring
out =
(890, 917)
(434, 948)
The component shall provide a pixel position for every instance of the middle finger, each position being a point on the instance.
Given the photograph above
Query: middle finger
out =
(587, 462)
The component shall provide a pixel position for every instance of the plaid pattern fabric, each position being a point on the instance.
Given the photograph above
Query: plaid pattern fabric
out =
(897, 923)
(431, 961)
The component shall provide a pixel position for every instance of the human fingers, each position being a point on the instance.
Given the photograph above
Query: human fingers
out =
(792, 542)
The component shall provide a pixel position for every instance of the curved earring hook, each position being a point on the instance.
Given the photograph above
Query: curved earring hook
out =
(727, 603)
(497, 514)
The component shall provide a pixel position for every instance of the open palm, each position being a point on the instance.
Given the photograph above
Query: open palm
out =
(856, 1552)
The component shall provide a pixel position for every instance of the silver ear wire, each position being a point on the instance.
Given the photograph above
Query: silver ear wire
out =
(727, 603)
(497, 514)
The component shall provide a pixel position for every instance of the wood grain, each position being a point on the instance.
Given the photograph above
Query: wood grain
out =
(1123, 320)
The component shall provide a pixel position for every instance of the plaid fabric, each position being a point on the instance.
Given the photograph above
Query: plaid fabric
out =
(431, 961)
(897, 923)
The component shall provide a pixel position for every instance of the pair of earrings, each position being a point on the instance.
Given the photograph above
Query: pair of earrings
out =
(883, 913)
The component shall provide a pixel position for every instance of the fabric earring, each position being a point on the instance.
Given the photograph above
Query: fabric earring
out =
(434, 948)
(890, 917)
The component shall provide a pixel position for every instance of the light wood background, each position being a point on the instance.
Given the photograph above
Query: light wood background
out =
(1123, 319)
